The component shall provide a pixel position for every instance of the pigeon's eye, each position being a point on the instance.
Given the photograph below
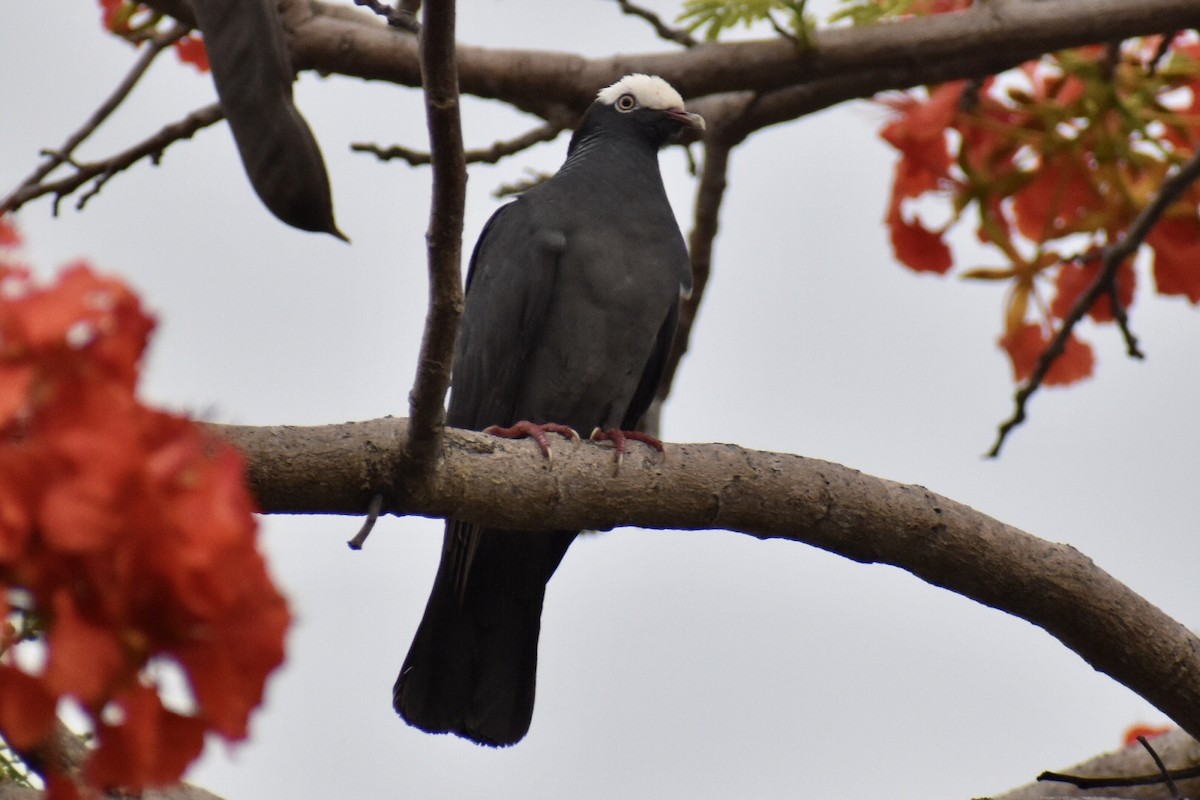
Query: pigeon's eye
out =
(626, 102)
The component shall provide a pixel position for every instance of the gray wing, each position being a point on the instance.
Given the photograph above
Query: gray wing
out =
(509, 285)
(472, 665)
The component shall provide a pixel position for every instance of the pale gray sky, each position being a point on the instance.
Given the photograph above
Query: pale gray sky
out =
(673, 664)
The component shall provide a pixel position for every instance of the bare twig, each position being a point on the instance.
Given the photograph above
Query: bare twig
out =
(705, 223)
(1160, 52)
(488, 155)
(663, 30)
(1114, 781)
(151, 147)
(532, 178)
(782, 31)
(1112, 258)
(1121, 317)
(395, 17)
(373, 509)
(802, 38)
(1118, 781)
(1162, 768)
(444, 238)
(65, 152)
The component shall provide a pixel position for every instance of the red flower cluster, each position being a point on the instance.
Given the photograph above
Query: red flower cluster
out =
(134, 21)
(127, 534)
(1056, 159)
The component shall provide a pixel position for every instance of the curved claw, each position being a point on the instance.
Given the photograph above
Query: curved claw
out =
(619, 437)
(534, 430)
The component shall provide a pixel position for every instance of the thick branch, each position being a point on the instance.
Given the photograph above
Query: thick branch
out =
(891, 56)
(337, 468)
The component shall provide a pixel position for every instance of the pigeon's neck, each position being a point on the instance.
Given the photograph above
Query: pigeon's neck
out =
(605, 153)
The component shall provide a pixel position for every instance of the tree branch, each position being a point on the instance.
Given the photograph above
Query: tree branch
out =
(1178, 750)
(101, 171)
(894, 55)
(395, 17)
(488, 155)
(1113, 256)
(64, 153)
(766, 495)
(664, 31)
(444, 238)
(65, 755)
(705, 224)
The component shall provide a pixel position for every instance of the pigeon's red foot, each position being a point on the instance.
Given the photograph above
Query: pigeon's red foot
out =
(619, 438)
(534, 430)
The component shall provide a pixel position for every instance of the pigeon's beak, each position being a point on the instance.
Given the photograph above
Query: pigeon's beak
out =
(693, 121)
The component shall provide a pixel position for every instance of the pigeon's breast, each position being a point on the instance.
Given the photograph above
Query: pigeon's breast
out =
(614, 288)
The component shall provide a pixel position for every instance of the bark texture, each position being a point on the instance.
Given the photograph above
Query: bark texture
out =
(479, 478)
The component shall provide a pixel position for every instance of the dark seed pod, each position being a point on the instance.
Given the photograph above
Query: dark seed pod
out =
(253, 76)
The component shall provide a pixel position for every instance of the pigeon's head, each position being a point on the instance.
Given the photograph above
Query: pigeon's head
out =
(643, 106)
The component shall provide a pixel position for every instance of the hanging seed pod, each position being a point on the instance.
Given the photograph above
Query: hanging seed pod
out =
(253, 76)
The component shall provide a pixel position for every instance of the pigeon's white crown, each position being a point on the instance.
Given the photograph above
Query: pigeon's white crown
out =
(650, 91)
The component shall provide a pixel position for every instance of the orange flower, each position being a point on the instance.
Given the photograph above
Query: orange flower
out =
(1176, 244)
(130, 532)
(1025, 346)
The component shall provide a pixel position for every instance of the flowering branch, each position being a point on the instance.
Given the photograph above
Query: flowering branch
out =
(1112, 258)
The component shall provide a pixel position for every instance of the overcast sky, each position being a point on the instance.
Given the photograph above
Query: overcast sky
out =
(672, 664)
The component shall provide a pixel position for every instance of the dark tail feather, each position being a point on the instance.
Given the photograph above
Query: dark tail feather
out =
(473, 662)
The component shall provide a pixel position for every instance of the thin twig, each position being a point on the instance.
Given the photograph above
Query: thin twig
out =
(782, 31)
(1117, 781)
(663, 30)
(373, 509)
(395, 17)
(802, 38)
(1112, 258)
(488, 155)
(709, 195)
(1121, 316)
(1161, 52)
(532, 178)
(64, 153)
(439, 72)
(1162, 768)
(152, 147)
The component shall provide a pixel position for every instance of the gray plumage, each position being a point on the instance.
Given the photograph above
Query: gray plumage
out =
(572, 299)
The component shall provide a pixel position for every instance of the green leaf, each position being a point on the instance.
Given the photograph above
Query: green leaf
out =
(717, 16)
(868, 12)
